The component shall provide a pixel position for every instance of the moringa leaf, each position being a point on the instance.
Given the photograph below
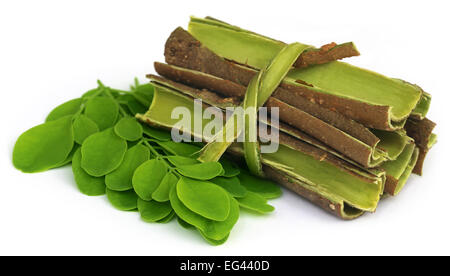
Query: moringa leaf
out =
(231, 185)
(121, 178)
(152, 211)
(129, 129)
(161, 194)
(103, 111)
(212, 229)
(168, 218)
(184, 224)
(148, 177)
(68, 108)
(145, 93)
(102, 152)
(212, 241)
(178, 161)
(136, 107)
(83, 127)
(69, 158)
(44, 146)
(255, 202)
(230, 169)
(124, 201)
(91, 93)
(87, 184)
(204, 198)
(201, 171)
(157, 133)
(182, 149)
(264, 187)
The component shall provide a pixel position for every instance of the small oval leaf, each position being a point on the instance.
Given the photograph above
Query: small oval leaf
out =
(255, 202)
(102, 152)
(230, 169)
(124, 201)
(264, 187)
(204, 198)
(168, 218)
(68, 108)
(83, 127)
(147, 178)
(181, 160)
(201, 171)
(103, 111)
(215, 230)
(44, 146)
(87, 184)
(182, 149)
(161, 194)
(157, 134)
(231, 185)
(121, 178)
(152, 211)
(129, 129)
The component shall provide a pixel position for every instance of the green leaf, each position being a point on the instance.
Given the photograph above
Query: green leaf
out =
(230, 169)
(231, 185)
(182, 149)
(124, 201)
(201, 171)
(255, 202)
(145, 93)
(44, 146)
(103, 111)
(68, 108)
(87, 184)
(69, 158)
(83, 127)
(184, 224)
(152, 211)
(204, 198)
(264, 187)
(212, 241)
(178, 161)
(216, 230)
(91, 93)
(121, 178)
(129, 129)
(147, 178)
(161, 193)
(168, 218)
(136, 107)
(157, 134)
(102, 152)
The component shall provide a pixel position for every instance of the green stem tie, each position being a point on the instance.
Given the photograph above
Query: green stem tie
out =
(258, 91)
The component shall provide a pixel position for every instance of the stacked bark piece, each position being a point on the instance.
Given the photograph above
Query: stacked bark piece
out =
(347, 135)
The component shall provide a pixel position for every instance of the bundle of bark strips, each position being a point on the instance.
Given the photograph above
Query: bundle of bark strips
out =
(348, 135)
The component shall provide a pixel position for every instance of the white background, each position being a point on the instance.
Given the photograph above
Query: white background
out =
(52, 51)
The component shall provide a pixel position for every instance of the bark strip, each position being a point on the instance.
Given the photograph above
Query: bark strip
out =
(327, 53)
(325, 125)
(183, 50)
(420, 131)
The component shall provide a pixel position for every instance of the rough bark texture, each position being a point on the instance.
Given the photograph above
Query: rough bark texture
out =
(325, 125)
(420, 131)
(326, 53)
(390, 185)
(322, 131)
(185, 51)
